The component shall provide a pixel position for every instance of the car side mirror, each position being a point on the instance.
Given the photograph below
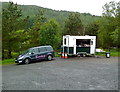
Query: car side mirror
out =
(32, 53)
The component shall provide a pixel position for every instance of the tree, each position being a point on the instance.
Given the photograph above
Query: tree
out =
(73, 25)
(114, 35)
(110, 25)
(104, 32)
(50, 34)
(11, 23)
(111, 9)
(35, 30)
(92, 29)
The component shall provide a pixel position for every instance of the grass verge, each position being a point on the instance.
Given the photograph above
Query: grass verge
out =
(113, 52)
(11, 61)
(7, 61)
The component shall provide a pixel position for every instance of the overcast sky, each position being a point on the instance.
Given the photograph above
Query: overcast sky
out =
(83, 6)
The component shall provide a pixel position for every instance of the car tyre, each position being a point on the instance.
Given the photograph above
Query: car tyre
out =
(27, 61)
(49, 57)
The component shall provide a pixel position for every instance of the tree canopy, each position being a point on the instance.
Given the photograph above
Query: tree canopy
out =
(108, 31)
(46, 27)
(73, 25)
(50, 34)
(12, 22)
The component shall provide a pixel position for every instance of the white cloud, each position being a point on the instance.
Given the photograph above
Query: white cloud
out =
(89, 6)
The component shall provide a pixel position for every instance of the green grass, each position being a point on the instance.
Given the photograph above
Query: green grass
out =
(57, 54)
(11, 61)
(113, 52)
(7, 61)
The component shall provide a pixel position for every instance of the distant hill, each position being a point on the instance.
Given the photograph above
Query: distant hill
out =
(60, 16)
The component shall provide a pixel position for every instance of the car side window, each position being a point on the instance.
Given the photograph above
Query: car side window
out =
(42, 49)
(35, 50)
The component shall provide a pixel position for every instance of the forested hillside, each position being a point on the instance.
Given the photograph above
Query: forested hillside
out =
(60, 16)
(25, 26)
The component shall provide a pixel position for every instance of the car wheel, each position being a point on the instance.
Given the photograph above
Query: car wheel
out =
(81, 55)
(49, 57)
(27, 61)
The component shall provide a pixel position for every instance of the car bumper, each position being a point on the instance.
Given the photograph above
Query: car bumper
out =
(19, 61)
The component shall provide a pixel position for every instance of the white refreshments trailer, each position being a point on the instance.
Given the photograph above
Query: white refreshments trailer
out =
(79, 45)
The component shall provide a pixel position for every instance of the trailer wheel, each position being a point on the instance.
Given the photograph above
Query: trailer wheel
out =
(85, 55)
(93, 55)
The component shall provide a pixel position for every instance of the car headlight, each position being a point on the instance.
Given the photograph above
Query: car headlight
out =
(21, 57)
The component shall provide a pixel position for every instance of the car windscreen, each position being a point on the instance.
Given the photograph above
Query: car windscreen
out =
(25, 52)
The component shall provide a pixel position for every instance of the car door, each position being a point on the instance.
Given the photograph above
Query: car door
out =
(42, 53)
(34, 53)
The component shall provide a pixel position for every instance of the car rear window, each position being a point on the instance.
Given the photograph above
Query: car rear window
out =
(49, 48)
(42, 49)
